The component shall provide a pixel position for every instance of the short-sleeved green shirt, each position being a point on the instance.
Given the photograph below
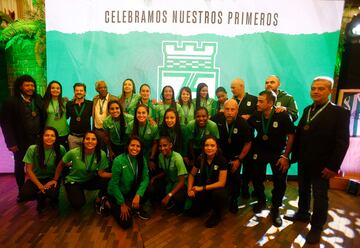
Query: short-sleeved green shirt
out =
(196, 134)
(124, 170)
(32, 157)
(131, 103)
(189, 112)
(173, 167)
(81, 172)
(55, 120)
(148, 134)
(161, 109)
(113, 129)
(209, 104)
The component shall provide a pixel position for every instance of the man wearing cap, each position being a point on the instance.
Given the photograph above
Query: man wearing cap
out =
(322, 139)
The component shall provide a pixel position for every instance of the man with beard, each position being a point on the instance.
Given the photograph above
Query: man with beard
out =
(235, 142)
(284, 101)
(22, 119)
(79, 110)
(100, 110)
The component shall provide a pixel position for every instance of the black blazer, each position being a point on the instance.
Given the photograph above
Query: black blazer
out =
(325, 143)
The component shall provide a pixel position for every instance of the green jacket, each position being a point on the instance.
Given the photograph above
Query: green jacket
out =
(123, 178)
(288, 101)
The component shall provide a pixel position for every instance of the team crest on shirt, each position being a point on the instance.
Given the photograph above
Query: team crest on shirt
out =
(148, 131)
(207, 132)
(255, 156)
(248, 103)
(235, 131)
(275, 124)
(216, 167)
(278, 104)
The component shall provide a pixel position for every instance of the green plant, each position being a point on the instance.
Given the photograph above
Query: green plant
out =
(32, 27)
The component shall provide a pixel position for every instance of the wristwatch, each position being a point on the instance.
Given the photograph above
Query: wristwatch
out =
(170, 195)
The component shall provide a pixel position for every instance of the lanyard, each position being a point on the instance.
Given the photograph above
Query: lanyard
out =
(167, 165)
(101, 105)
(116, 129)
(209, 171)
(172, 135)
(231, 129)
(308, 119)
(201, 131)
(56, 109)
(128, 102)
(135, 171)
(88, 166)
(78, 115)
(144, 130)
(48, 158)
(265, 129)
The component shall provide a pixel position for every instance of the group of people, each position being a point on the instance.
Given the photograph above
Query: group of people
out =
(191, 155)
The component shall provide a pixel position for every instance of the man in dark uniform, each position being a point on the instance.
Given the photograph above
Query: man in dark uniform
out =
(322, 139)
(235, 142)
(79, 110)
(273, 143)
(22, 119)
(247, 106)
(284, 101)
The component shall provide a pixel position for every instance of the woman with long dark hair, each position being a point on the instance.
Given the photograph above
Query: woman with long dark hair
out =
(168, 101)
(221, 95)
(40, 161)
(55, 106)
(88, 171)
(186, 104)
(117, 128)
(202, 99)
(128, 184)
(177, 132)
(148, 132)
(129, 98)
(206, 182)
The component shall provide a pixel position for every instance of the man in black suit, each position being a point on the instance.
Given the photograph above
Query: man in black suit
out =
(22, 119)
(322, 140)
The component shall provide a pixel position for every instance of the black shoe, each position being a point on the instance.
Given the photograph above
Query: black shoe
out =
(170, 205)
(275, 217)
(314, 236)
(104, 209)
(213, 220)
(298, 217)
(142, 214)
(97, 206)
(233, 207)
(258, 207)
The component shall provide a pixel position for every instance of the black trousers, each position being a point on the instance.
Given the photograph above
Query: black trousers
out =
(309, 181)
(210, 199)
(234, 182)
(158, 192)
(247, 172)
(259, 176)
(30, 191)
(19, 168)
(75, 191)
(116, 209)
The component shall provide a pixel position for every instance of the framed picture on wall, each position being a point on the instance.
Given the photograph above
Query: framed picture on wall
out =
(350, 99)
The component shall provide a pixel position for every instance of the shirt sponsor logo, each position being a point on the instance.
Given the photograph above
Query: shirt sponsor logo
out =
(275, 124)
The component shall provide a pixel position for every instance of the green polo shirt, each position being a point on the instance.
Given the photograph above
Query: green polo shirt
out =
(173, 167)
(81, 172)
(55, 120)
(161, 109)
(32, 157)
(209, 104)
(131, 103)
(189, 112)
(124, 169)
(196, 134)
(113, 128)
(147, 134)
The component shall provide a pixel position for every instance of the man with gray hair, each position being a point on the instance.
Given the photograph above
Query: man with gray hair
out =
(100, 110)
(322, 139)
(284, 101)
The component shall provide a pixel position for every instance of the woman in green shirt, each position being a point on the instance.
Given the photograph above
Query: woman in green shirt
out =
(169, 184)
(145, 100)
(40, 161)
(117, 128)
(186, 104)
(88, 165)
(129, 98)
(128, 184)
(55, 106)
(203, 100)
(221, 95)
(168, 101)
